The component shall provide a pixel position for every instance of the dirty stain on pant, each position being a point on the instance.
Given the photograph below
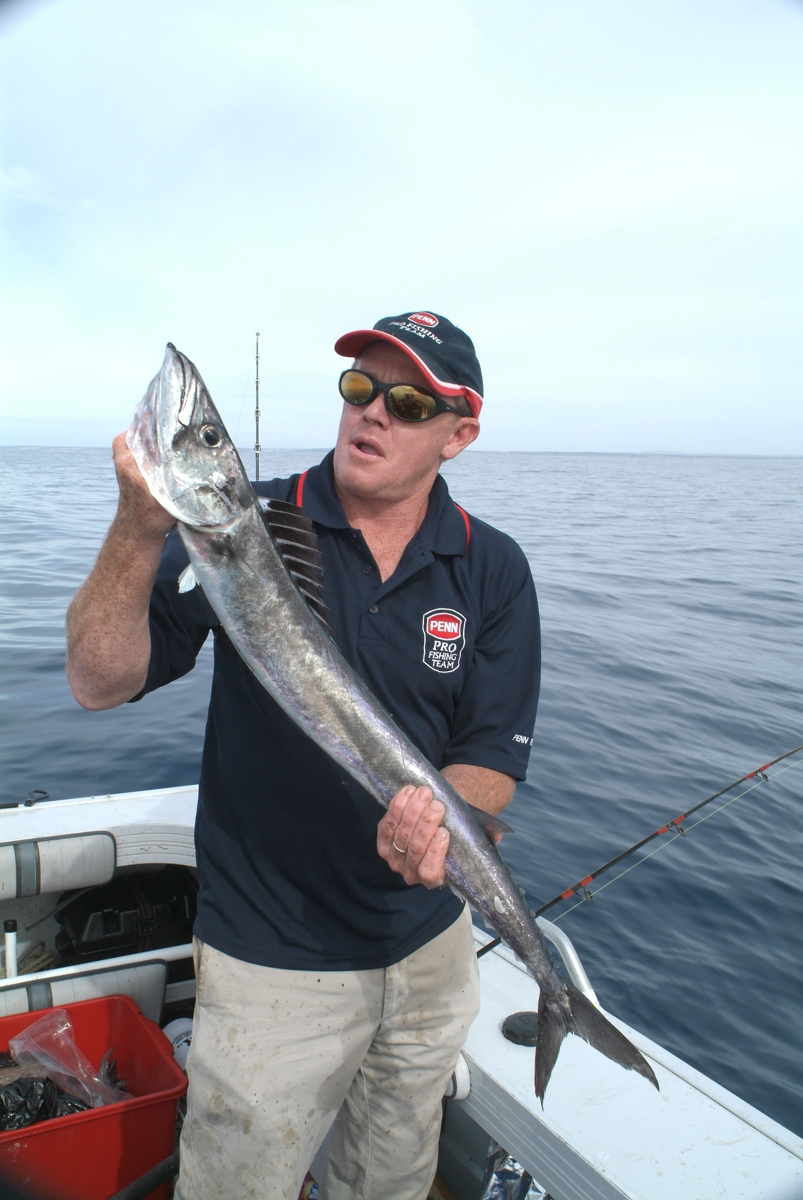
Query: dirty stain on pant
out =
(277, 1056)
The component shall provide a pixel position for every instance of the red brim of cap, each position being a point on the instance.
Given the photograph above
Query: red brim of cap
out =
(350, 345)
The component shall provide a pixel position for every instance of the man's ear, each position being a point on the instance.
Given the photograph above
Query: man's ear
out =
(466, 432)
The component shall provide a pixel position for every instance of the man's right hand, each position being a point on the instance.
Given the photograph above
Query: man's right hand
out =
(108, 634)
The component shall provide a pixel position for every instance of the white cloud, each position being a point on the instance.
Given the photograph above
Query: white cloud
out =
(18, 185)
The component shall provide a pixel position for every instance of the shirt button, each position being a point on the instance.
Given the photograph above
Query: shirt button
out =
(366, 569)
(374, 608)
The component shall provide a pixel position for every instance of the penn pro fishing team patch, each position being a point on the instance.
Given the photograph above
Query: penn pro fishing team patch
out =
(444, 639)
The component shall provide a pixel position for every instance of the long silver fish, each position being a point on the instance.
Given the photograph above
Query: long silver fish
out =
(261, 571)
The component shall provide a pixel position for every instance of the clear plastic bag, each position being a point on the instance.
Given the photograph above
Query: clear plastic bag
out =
(48, 1047)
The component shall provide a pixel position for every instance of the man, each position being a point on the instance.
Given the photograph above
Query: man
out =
(335, 983)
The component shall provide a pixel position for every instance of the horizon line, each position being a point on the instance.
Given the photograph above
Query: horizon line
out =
(469, 450)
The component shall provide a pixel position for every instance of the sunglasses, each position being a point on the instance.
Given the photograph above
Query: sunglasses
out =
(402, 400)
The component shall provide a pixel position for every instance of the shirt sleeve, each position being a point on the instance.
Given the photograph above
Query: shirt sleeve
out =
(495, 716)
(179, 621)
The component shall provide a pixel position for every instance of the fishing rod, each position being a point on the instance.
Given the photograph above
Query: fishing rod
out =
(581, 888)
(257, 447)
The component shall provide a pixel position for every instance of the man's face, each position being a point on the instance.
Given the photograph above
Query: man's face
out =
(377, 456)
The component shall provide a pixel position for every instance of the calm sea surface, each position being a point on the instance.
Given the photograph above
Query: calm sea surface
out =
(670, 593)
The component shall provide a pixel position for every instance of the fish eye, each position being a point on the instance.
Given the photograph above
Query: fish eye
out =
(210, 435)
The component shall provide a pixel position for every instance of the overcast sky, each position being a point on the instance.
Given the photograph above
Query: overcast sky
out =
(607, 196)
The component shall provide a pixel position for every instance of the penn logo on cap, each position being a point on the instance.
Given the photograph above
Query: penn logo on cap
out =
(444, 638)
(424, 319)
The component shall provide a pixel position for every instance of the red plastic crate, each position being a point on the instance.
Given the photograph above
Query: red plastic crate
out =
(91, 1155)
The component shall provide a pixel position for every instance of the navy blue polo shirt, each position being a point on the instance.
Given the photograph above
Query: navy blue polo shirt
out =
(285, 838)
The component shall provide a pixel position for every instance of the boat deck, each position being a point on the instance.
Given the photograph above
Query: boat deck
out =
(604, 1133)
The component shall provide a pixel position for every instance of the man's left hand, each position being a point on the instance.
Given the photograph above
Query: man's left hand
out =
(412, 840)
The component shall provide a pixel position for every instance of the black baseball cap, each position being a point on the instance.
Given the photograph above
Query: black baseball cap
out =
(443, 352)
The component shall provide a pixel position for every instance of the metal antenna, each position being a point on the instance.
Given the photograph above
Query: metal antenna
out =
(257, 447)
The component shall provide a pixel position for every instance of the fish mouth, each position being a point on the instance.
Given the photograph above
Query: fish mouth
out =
(162, 412)
(179, 393)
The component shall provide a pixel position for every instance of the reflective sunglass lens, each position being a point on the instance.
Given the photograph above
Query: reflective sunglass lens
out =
(356, 388)
(408, 404)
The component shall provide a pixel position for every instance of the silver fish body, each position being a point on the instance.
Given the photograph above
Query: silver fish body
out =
(194, 471)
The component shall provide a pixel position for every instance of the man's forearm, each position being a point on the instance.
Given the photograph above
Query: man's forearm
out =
(489, 790)
(108, 636)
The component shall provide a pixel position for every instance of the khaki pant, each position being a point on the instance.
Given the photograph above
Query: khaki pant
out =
(277, 1055)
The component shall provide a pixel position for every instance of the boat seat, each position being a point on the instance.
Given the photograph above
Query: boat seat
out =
(58, 864)
(144, 982)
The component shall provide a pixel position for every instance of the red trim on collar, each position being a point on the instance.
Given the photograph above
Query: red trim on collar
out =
(464, 515)
(300, 489)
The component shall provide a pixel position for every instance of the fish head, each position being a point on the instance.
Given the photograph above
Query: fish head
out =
(184, 452)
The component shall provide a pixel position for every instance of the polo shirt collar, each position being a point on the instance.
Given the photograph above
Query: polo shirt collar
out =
(320, 500)
(443, 530)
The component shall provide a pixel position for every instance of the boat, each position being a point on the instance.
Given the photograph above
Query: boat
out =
(602, 1134)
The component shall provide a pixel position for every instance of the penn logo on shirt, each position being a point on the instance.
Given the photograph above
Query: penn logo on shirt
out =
(425, 319)
(444, 639)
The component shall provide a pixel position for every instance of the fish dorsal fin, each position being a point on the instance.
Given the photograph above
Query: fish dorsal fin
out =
(285, 506)
(297, 542)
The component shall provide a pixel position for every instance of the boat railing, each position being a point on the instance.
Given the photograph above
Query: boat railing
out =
(563, 944)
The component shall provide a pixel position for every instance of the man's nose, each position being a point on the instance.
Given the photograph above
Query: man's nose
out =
(376, 410)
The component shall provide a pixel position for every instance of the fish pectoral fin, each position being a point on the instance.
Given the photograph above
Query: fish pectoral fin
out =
(187, 580)
(493, 826)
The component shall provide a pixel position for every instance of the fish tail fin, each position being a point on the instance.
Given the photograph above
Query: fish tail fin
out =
(556, 1018)
(553, 1025)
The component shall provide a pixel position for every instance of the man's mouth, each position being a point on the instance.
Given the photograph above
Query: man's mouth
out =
(367, 448)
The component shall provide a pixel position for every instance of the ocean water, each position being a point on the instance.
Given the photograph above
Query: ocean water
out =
(670, 593)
